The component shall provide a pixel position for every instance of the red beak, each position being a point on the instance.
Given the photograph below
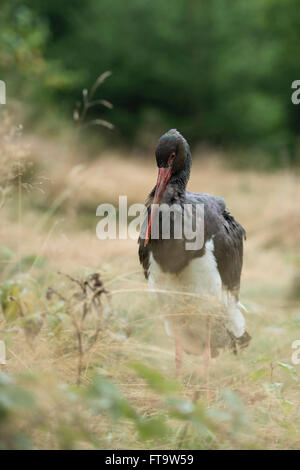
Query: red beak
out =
(164, 175)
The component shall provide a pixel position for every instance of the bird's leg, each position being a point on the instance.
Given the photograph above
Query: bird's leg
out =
(178, 351)
(207, 355)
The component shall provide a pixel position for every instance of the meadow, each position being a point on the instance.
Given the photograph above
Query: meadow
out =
(88, 363)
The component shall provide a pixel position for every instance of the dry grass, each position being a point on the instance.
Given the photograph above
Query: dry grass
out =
(53, 225)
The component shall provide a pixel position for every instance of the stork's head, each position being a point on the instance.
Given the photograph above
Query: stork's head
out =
(173, 153)
(173, 158)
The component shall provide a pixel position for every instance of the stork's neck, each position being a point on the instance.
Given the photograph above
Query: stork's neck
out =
(180, 180)
(177, 182)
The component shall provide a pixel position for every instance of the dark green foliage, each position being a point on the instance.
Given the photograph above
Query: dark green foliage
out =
(219, 70)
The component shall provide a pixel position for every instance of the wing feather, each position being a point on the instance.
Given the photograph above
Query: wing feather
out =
(219, 225)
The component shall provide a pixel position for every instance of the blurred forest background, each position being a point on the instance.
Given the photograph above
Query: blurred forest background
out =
(218, 70)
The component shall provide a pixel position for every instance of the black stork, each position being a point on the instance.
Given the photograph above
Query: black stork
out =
(212, 270)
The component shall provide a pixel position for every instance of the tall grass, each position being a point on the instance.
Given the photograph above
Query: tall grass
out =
(85, 375)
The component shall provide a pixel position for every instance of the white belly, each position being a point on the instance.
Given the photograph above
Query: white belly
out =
(200, 277)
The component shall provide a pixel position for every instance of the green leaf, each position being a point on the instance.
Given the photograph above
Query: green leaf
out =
(6, 254)
(152, 428)
(68, 436)
(155, 380)
(10, 307)
(104, 396)
(262, 359)
(287, 405)
(181, 408)
(13, 397)
(258, 374)
(290, 369)
(28, 261)
(235, 407)
(5, 379)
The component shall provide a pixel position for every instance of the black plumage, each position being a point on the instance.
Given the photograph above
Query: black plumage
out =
(219, 225)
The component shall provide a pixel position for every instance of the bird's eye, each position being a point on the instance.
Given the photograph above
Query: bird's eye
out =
(171, 158)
